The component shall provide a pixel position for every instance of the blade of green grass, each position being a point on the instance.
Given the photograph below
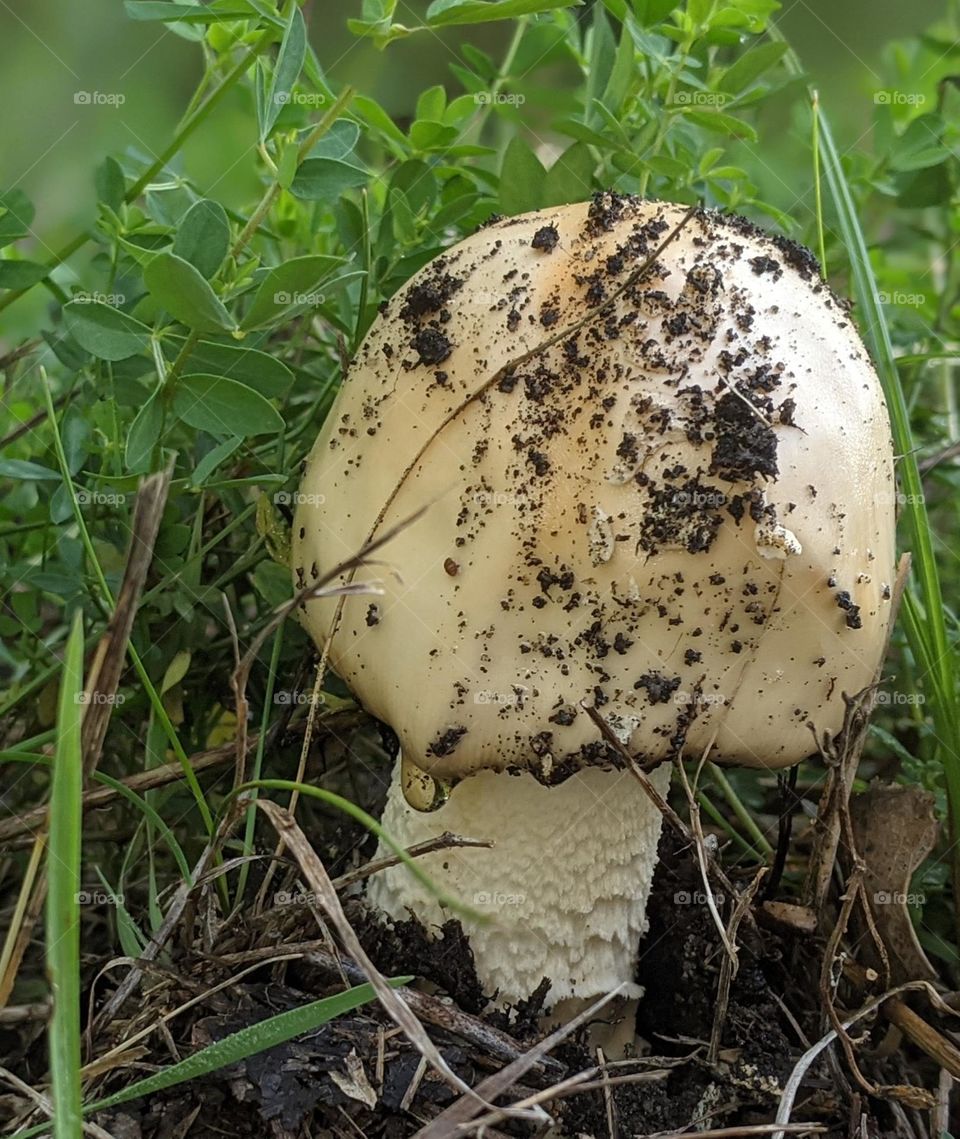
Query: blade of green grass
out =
(923, 609)
(368, 821)
(251, 820)
(63, 901)
(232, 1049)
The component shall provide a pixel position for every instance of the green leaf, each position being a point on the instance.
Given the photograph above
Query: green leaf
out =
(720, 123)
(927, 187)
(375, 116)
(21, 274)
(289, 286)
(183, 13)
(143, 434)
(651, 12)
(428, 135)
(431, 103)
(750, 66)
(213, 458)
(63, 893)
(338, 142)
(416, 180)
(382, 32)
(258, 370)
(203, 238)
(246, 1042)
(622, 73)
(224, 407)
(325, 179)
(293, 48)
(110, 184)
(287, 165)
(105, 331)
(521, 178)
(443, 13)
(24, 469)
(570, 178)
(179, 288)
(603, 50)
(920, 145)
(16, 214)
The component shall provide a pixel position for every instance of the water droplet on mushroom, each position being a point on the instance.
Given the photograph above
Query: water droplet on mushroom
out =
(422, 791)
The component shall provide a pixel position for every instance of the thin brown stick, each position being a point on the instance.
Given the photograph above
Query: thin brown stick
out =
(730, 964)
(669, 814)
(29, 822)
(445, 841)
(792, 1085)
(20, 1014)
(916, 1029)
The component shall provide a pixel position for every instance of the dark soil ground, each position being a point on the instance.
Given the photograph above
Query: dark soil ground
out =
(720, 1062)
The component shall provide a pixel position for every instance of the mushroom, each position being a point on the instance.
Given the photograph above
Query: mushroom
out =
(657, 474)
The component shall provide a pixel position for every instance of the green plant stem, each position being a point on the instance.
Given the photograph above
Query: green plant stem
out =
(503, 74)
(251, 820)
(821, 244)
(181, 358)
(718, 817)
(190, 124)
(343, 100)
(744, 816)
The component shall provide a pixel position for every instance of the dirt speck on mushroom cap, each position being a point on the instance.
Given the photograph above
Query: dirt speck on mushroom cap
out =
(635, 472)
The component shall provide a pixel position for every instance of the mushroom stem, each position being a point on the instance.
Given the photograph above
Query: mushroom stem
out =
(565, 885)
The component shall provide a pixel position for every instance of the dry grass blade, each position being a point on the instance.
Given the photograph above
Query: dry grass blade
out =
(170, 922)
(20, 1014)
(591, 1080)
(316, 875)
(43, 1104)
(106, 664)
(746, 1132)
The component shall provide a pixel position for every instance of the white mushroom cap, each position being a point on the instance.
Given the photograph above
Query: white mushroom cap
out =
(676, 507)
